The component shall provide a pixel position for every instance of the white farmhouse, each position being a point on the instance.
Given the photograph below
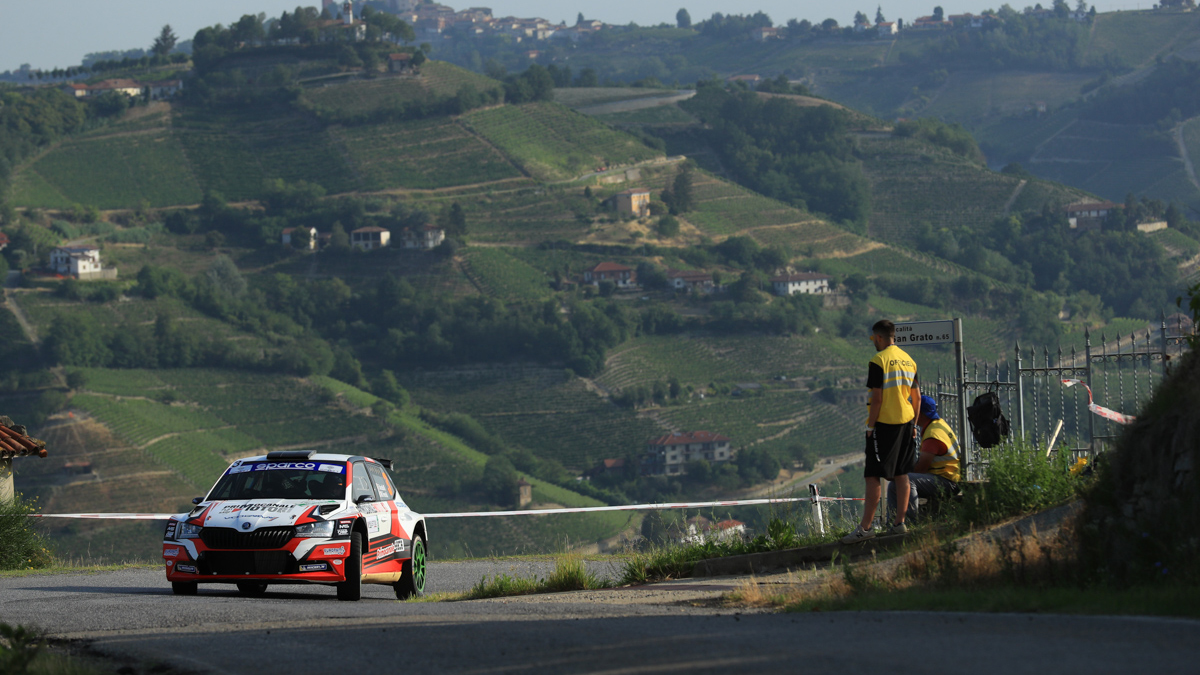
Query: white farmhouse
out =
(81, 262)
(805, 282)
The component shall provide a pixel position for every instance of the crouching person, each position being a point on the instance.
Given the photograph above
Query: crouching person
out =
(934, 480)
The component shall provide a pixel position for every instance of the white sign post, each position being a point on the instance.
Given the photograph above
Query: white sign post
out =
(918, 333)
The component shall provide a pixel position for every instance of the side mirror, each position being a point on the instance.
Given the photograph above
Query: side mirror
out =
(197, 500)
(364, 498)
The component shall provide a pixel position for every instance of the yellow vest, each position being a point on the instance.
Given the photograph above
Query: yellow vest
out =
(899, 372)
(945, 465)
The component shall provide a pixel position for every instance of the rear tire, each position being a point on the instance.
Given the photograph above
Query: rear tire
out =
(351, 588)
(253, 589)
(184, 587)
(412, 579)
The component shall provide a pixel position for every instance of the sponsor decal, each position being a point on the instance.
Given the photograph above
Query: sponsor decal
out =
(186, 568)
(170, 562)
(340, 550)
(230, 508)
(170, 530)
(337, 562)
(343, 528)
(272, 507)
(314, 567)
(332, 468)
(385, 551)
(170, 552)
(239, 469)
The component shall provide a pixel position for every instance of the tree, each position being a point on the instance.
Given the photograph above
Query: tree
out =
(879, 14)
(338, 239)
(937, 13)
(683, 19)
(682, 199)
(579, 19)
(165, 42)
(829, 24)
(860, 19)
(499, 481)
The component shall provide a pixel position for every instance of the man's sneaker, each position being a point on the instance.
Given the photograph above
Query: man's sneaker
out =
(897, 528)
(857, 535)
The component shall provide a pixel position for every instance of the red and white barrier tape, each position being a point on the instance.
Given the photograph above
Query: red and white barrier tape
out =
(479, 514)
(1106, 413)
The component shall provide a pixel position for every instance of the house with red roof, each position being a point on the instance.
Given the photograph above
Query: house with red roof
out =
(667, 455)
(622, 276)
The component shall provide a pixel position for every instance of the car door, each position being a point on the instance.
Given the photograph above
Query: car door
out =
(373, 513)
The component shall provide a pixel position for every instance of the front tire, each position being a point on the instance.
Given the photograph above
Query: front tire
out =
(253, 589)
(412, 579)
(351, 588)
(184, 587)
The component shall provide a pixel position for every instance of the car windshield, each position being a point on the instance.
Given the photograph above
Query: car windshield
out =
(282, 480)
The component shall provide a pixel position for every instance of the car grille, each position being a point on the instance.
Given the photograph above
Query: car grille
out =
(229, 538)
(247, 562)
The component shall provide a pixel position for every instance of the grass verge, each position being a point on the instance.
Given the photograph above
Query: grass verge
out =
(570, 574)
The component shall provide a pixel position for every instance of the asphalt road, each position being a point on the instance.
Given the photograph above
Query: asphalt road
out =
(132, 616)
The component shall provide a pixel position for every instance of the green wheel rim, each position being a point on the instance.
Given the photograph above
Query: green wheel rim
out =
(418, 565)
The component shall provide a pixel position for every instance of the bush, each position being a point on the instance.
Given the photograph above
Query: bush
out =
(1020, 480)
(21, 547)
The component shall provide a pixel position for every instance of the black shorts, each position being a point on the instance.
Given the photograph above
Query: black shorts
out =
(891, 451)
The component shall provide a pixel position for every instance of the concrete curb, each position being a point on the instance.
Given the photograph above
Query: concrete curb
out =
(753, 563)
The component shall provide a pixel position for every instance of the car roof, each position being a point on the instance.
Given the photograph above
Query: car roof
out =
(315, 457)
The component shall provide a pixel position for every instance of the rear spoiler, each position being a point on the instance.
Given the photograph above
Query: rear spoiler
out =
(387, 463)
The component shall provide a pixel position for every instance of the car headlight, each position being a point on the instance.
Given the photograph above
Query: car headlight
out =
(323, 528)
(187, 531)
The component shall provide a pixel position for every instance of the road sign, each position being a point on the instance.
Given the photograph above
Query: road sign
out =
(914, 333)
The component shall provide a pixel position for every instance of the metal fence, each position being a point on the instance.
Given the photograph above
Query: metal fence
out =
(1122, 374)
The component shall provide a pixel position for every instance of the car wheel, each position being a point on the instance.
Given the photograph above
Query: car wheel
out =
(184, 587)
(254, 589)
(412, 579)
(351, 588)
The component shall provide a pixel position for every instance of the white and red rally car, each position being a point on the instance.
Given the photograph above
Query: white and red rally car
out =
(299, 517)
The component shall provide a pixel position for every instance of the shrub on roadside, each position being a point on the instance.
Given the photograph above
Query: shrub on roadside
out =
(20, 546)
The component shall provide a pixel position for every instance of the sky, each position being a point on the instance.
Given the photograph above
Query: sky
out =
(58, 33)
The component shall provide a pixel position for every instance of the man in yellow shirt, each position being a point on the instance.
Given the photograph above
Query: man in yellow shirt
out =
(935, 477)
(895, 400)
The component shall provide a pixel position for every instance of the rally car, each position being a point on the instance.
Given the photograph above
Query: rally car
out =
(299, 517)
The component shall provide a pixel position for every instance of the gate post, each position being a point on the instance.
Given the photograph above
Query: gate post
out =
(1087, 364)
(1020, 394)
(960, 366)
(7, 490)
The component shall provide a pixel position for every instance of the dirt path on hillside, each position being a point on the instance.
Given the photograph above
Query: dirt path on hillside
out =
(630, 105)
(1013, 197)
(11, 303)
(1183, 152)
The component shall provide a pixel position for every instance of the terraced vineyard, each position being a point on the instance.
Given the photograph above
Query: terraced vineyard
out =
(942, 191)
(534, 408)
(503, 276)
(437, 81)
(422, 155)
(234, 152)
(110, 172)
(553, 143)
(774, 421)
(699, 360)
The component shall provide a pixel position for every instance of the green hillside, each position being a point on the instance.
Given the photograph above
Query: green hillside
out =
(488, 356)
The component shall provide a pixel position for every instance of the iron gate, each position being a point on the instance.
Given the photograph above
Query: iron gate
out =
(1121, 374)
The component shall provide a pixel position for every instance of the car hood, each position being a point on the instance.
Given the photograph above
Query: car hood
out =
(250, 514)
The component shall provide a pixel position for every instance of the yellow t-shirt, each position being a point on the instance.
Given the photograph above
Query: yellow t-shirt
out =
(945, 465)
(895, 382)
